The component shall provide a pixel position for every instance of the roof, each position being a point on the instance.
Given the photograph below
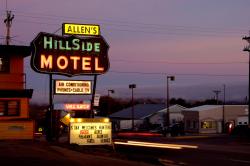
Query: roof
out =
(174, 109)
(140, 111)
(22, 93)
(203, 108)
(13, 50)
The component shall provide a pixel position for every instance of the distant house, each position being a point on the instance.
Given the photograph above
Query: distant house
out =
(208, 118)
(153, 114)
(175, 115)
(123, 119)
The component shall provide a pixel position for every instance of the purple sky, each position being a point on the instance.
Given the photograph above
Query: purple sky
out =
(185, 38)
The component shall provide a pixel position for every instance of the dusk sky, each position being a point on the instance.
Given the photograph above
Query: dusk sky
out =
(198, 41)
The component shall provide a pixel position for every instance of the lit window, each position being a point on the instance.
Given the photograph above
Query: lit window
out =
(208, 124)
(9, 108)
(4, 64)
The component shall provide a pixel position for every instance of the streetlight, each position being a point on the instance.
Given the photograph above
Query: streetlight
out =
(247, 48)
(132, 86)
(172, 78)
(109, 91)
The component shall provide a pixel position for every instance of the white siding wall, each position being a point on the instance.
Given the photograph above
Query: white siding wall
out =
(127, 124)
(157, 118)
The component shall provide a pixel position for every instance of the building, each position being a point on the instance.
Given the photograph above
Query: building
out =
(209, 118)
(147, 115)
(175, 115)
(123, 119)
(14, 97)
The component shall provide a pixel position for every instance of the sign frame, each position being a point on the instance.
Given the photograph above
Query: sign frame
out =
(97, 58)
(80, 34)
(54, 89)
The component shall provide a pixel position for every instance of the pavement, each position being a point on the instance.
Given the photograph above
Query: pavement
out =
(210, 142)
(30, 153)
(41, 153)
(93, 160)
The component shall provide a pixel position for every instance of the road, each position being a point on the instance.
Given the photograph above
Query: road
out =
(13, 153)
(210, 151)
(204, 151)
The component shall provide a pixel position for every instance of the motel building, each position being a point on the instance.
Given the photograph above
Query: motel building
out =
(14, 97)
(209, 118)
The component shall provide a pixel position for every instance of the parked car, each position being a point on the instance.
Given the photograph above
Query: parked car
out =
(241, 131)
(157, 130)
(174, 130)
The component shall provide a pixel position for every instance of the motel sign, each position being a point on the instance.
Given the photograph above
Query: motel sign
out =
(53, 54)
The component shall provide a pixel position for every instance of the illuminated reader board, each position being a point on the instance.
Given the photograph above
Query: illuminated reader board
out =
(90, 133)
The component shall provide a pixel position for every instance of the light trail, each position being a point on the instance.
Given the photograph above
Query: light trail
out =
(155, 145)
(147, 145)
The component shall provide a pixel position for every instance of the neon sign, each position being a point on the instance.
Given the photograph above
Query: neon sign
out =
(77, 106)
(69, 56)
(80, 29)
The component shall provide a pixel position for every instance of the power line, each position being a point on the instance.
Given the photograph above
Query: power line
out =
(149, 32)
(150, 28)
(50, 16)
(177, 63)
(20, 41)
(180, 74)
(143, 25)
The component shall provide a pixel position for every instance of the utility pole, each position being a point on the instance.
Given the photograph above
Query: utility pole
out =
(247, 48)
(8, 22)
(132, 86)
(217, 96)
(223, 108)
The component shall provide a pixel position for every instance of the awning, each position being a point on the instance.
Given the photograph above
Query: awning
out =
(12, 50)
(19, 93)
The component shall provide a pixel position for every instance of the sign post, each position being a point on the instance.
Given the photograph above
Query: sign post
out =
(80, 51)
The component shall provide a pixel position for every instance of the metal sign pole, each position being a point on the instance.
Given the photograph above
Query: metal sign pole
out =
(93, 97)
(51, 105)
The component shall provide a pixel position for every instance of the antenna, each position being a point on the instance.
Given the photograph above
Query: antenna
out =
(6, 5)
(8, 22)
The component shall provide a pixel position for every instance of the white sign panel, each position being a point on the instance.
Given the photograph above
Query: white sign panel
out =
(90, 133)
(97, 99)
(72, 87)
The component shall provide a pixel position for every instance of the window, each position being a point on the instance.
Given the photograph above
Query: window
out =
(4, 65)
(9, 108)
(208, 125)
